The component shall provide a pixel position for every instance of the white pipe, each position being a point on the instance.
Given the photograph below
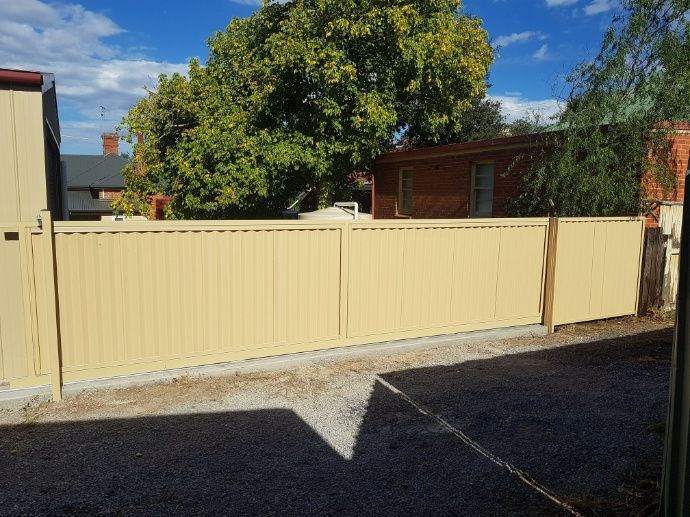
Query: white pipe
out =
(346, 204)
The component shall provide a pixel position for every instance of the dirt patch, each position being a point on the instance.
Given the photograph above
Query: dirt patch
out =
(576, 409)
(306, 381)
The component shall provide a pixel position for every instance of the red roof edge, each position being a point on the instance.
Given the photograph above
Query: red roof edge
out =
(22, 77)
(475, 145)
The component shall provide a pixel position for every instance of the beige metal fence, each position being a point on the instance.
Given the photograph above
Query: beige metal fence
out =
(416, 278)
(135, 297)
(16, 336)
(597, 268)
(148, 300)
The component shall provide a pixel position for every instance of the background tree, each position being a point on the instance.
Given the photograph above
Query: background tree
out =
(532, 122)
(299, 95)
(483, 119)
(613, 128)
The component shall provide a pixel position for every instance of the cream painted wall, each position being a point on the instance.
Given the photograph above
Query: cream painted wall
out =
(22, 155)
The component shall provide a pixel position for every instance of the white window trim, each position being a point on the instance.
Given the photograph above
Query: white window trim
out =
(473, 208)
(399, 207)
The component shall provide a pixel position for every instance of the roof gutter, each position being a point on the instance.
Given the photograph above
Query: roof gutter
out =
(396, 157)
(21, 77)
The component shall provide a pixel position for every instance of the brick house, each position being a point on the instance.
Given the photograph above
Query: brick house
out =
(471, 179)
(91, 182)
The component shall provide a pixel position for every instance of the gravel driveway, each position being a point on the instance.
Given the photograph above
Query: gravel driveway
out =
(409, 433)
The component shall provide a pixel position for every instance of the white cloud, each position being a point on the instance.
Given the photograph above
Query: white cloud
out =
(599, 6)
(515, 37)
(542, 53)
(558, 3)
(516, 107)
(90, 71)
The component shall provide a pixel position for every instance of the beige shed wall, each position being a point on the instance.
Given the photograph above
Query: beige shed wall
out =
(22, 155)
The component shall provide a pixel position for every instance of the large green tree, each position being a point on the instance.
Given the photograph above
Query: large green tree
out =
(298, 95)
(613, 131)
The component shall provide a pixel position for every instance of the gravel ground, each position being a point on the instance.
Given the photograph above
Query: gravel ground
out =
(575, 411)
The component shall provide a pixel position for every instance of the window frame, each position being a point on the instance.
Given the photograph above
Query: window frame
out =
(401, 210)
(474, 188)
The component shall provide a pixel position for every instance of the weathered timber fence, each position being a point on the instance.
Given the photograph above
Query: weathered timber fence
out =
(659, 284)
(94, 300)
(653, 265)
(670, 223)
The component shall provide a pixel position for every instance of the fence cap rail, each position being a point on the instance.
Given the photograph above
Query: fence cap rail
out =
(264, 225)
(252, 225)
(17, 226)
(623, 218)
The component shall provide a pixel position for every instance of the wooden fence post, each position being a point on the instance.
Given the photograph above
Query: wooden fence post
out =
(52, 337)
(652, 275)
(550, 280)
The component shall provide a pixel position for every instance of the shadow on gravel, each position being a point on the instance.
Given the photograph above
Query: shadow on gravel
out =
(576, 418)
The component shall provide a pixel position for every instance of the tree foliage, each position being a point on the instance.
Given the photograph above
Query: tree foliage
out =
(483, 119)
(613, 130)
(532, 122)
(299, 95)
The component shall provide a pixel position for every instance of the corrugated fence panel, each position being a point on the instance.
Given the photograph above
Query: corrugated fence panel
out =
(137, 297)
(14, 342)
(375, 278)
(436, 277)
(179, 298)
(306, 277)
(597, 268)
(43, 289)
(521, 268)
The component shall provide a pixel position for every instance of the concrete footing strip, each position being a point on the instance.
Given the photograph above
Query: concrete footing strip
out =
(21, 396)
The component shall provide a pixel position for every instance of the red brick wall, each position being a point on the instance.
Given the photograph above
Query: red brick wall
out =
(158, 204)
(109, 194)
(441, 185)
(680, 151)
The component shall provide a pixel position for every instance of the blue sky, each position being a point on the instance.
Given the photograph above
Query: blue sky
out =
(104, 53)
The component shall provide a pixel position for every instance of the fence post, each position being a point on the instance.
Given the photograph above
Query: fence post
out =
(52, 337)
(345, 238)
(550, 280)
(652, 271)
(675, 489)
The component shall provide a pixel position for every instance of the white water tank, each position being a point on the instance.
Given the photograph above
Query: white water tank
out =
(334, 213)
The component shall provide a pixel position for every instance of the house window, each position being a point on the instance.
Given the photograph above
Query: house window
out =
(482, 202)
(405, 192)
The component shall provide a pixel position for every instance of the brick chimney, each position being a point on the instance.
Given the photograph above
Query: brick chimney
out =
(111, 143)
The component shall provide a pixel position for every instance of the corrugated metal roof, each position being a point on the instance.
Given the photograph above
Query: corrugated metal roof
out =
(83, 201)
(86, 170)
